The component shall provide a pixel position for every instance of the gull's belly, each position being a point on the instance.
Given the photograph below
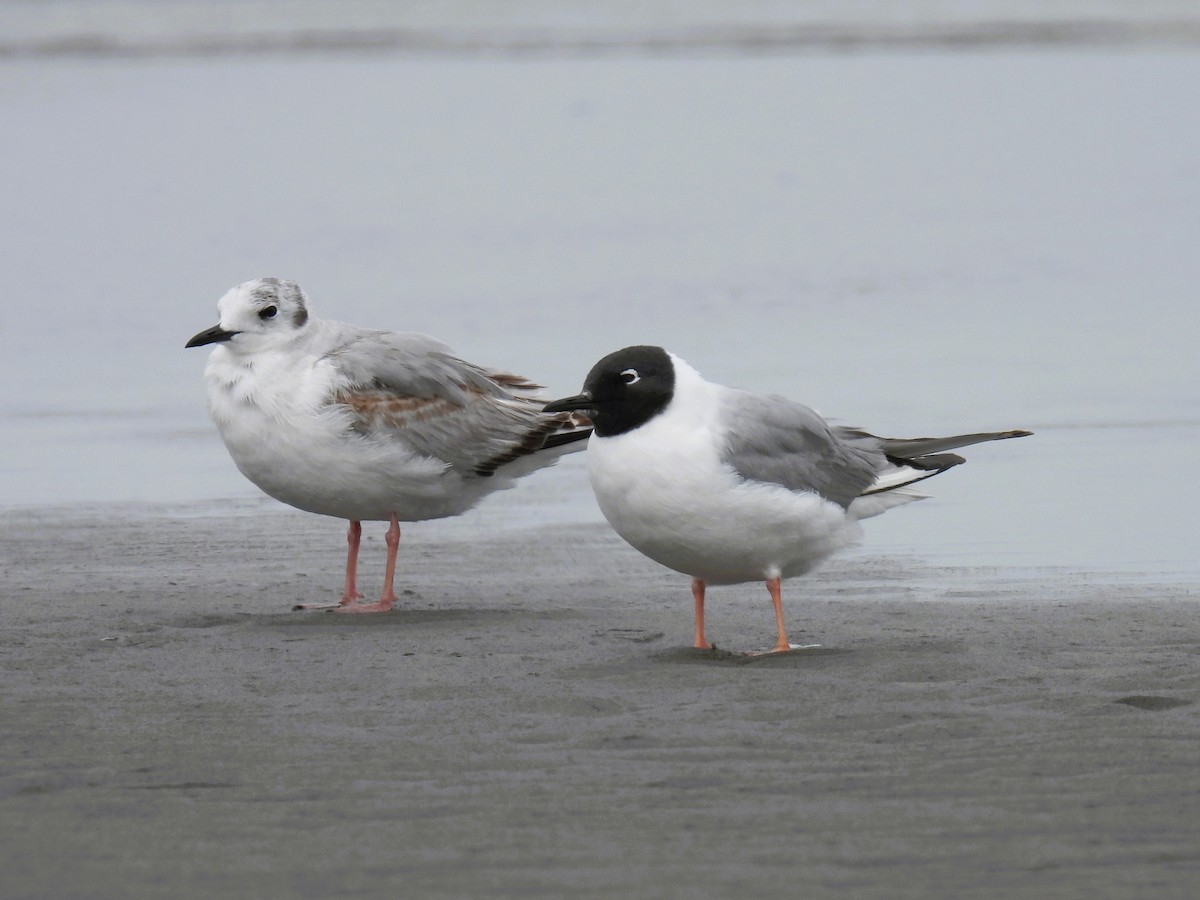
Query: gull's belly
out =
(315, 462)
(707, 522)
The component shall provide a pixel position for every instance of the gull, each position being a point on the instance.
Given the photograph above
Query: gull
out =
(367, 425)
(730, 486)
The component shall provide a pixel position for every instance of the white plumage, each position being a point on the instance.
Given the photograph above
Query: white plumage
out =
(367, 425)
(729, 486)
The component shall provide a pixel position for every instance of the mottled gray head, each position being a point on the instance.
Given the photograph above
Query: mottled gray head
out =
(257, 313)
(625, 390)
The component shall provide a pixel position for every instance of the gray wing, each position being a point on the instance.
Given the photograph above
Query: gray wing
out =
(410, 388)
(777, 441)
(918, 448)
(924, 455)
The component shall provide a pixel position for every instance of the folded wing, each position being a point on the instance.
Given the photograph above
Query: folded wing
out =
(411, 389)
(778, 441)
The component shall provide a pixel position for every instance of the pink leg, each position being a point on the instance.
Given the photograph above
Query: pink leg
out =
(701, 643)
(776, 597)
(388, 597)
(353, 538)
(350, 593)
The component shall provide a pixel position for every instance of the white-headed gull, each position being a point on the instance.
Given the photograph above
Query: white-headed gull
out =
(367, 425)
(730, 486)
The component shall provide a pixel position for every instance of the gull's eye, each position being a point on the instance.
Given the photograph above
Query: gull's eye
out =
(631, 376)
(268, 313)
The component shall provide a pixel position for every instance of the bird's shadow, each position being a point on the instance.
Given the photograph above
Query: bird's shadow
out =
(715, 655)
(327, 618)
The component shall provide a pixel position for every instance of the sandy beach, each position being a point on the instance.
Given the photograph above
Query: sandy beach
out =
(531, 722)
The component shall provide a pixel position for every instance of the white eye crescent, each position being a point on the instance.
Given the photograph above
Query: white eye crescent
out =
(631, 376)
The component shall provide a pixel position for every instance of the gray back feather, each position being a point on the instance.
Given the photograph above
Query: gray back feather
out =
(408, 364)
(777, 441)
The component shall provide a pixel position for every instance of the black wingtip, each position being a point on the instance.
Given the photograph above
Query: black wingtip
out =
(543, 438)
(566, 437)
(933, 463)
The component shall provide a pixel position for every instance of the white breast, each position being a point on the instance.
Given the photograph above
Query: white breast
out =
(276, 420)
(664, 489)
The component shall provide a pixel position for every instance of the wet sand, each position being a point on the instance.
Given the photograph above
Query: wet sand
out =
(531, 722)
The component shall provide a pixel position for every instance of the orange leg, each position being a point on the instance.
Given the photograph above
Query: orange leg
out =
(782, 643)
(701, 642)
(388, 597)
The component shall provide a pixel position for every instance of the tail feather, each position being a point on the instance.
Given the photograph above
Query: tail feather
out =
(899, 475)
(869, 505)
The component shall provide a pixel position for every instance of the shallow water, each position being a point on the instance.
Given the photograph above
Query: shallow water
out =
(915, 242)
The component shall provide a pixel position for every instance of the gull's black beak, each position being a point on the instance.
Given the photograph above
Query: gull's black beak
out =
(567, 404)
(213, 335)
